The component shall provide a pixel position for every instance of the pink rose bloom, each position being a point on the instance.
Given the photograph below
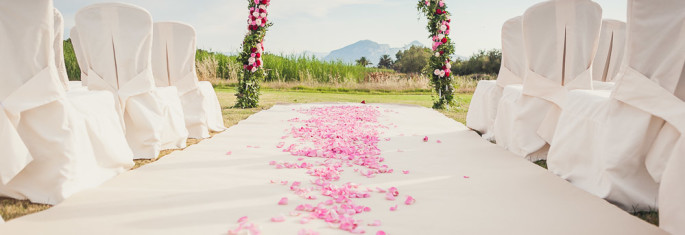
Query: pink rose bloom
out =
(254, 69)
(441, 3)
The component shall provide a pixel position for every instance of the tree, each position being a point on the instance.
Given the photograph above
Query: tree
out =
(412, 60)
(363, 62)
(385, 62)
(482, 62)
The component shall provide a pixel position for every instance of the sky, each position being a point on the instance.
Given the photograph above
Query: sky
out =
(326, 25)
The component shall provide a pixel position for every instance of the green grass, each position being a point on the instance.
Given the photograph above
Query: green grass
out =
(286, 68)
(269, 98)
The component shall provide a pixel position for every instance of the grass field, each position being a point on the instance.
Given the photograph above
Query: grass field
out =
(10, 208)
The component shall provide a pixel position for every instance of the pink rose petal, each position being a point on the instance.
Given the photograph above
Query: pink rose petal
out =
(283, 201)
(425, 139)
(394, 208)
(375, 223)
(439, 142)
(278, 219)
(380, 232)
(242, 219)
(229, 153)
(389, 196)
(405, 172)
(410, 200)
(466, 177)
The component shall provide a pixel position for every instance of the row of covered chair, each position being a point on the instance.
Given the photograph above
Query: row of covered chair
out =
(620, 141)
(53, 143)
(63, 137)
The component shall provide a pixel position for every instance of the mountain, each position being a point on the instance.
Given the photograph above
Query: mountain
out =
(367, 48)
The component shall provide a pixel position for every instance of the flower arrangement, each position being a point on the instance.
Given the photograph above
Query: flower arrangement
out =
(251, 55)
(439, 65)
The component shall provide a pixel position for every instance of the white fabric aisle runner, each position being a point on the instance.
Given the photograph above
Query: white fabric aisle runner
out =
(463, 185)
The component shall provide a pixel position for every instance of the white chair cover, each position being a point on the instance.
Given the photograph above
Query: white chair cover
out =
(612, 42)
(81, 56)
(560, 40)
(604, 144)
(117, 40)
(215, 119)
(173, 63)
(59, 49)
(485, 100)
(46, 149)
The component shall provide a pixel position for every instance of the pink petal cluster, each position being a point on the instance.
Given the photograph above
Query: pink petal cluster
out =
(258, 15)
(442, 36)
(333, 139)
(244, 225)
(445, 70)
(255, 61)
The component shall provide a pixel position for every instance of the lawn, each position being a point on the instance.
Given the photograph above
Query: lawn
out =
(10, 208)
(269, 98)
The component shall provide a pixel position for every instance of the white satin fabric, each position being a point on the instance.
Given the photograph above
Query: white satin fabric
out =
(173, 63)
(47, 152)
(117, 40)
(59, 49)
(81, 56)
(622, 144)
(560, 40)
(612, 43)
(485, 100)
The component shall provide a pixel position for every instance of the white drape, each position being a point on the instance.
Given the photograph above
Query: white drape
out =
(47, 152)
(117, 39)
(612, 43)
(560, 40)
(617, 145)
(81, 56)
(173, 63)
(59, 49)
(485, 100)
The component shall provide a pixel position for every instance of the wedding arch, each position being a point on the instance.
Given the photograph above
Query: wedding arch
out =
(439, 64)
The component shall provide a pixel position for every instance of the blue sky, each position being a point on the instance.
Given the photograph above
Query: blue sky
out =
(325, 25)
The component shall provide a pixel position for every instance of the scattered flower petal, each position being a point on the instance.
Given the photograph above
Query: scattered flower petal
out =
(380, 232)
(277, 219)
(410, 200)
(229, 153)
(425, 139)
(405, 172)
(393, 208)
(375, 223)
(283, 201)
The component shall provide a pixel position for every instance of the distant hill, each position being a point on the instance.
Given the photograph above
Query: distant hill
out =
(367, 48)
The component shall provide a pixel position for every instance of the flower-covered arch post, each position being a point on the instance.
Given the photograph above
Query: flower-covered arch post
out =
(439, 64)
(251, 55)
